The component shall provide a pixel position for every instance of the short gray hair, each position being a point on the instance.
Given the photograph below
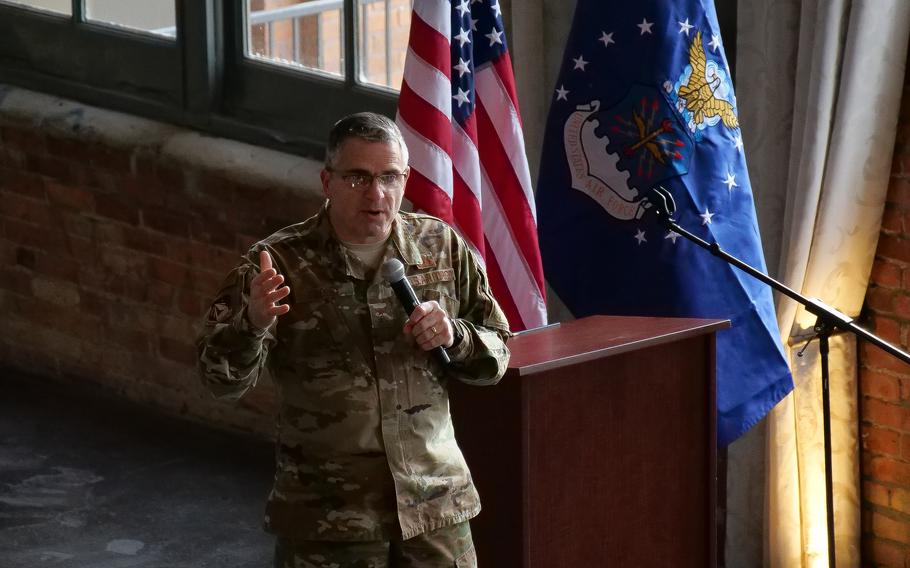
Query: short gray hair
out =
(366, 126)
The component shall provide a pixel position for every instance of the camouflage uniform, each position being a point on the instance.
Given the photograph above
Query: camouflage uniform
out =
(366, 447)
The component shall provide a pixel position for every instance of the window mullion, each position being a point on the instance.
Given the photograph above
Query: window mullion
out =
(202, 53)
(350, 42)
(78, 9)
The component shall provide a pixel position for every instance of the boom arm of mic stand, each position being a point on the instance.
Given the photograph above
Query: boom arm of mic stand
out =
(814, 306)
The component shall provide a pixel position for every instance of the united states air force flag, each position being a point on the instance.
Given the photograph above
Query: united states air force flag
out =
(644, 98)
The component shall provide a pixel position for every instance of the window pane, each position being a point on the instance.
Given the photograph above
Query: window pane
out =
(59, 6)
(305, 34)
(150, 16)
(383, 29)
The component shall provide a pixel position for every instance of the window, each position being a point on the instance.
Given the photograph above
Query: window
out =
(271, 72)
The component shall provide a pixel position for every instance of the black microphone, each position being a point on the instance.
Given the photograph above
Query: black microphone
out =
(393, 272)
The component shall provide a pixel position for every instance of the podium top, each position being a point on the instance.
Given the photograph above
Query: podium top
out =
(596, 337)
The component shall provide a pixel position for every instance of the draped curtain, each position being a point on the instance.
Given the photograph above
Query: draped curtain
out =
(819, 85)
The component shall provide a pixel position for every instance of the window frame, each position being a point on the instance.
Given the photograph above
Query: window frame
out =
(201, 79)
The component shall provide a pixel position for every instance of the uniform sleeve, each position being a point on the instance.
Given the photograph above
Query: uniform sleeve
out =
(481, 357)
(232, 353)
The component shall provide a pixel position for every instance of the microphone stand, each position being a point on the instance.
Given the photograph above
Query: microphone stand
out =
(827, 320)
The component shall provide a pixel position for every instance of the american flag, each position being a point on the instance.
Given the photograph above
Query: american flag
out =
(459, 116)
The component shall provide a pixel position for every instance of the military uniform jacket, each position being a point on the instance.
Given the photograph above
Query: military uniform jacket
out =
(365, 439)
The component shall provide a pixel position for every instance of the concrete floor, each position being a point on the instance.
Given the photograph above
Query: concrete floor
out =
(93, 482)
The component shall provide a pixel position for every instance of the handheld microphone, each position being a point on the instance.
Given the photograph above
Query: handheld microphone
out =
(393, 272)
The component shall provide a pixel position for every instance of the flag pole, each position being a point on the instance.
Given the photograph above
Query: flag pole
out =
(827, 320)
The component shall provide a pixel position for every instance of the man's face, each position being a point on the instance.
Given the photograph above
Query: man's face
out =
(364, 214)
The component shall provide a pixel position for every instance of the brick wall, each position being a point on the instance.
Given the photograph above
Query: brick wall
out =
(885, 382)
(109, 254)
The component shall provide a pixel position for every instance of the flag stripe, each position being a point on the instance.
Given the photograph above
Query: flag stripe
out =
(429, 83)
(428, 159)
(432, 124)
(503, 67)
(466, 209)
(430, 46)
(491, 93)
(429, 197)
(529, 301)
(430, 13)
(505, 183)
(466, 158)
(506, 302)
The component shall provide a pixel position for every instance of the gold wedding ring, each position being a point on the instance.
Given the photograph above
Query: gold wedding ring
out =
(433, 329)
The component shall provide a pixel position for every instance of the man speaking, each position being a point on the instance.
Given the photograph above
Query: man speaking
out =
(368, 472)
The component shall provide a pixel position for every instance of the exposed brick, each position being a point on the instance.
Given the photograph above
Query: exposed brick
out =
(880, 385)
(68, 319)
(167, 271)
(887, 328)
(127, 338)
(894, 247)
(50, 340)
(874, 358)
(16, 280)
(12, 157)
(893, 219)
(881, 441)
(139, 239)
(195, 254)
(167, 176)
(26, 357)
(900, 500)
(116, 208)
(881, 300)
(190, 303)
(884, 554)
(35, 237)
(22, 182)
(61, 170)
(884, 414)
(177, 328)
(166, 221)
(891, 529)
(886, 274)
(161, 293)
(55, 292)
(208, 231)
(177, 351)
(121, 262)
(141, 191)
(888, 470)
(30, 210)
(899, 186)
(25, 138)
(69, 196)
(876, 494)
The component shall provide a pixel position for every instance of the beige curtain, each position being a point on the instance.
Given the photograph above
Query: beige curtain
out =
(819, 85)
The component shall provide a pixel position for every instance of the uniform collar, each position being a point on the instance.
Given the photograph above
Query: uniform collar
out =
(402, 238)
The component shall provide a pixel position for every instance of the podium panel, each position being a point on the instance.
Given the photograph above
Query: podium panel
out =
(598, 447)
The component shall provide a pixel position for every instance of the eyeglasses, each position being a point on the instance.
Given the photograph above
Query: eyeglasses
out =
(365, 181)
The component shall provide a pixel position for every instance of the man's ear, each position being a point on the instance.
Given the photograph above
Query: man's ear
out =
(325, 176)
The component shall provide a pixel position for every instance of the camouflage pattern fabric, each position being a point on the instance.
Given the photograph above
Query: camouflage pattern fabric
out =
(366, 447)
(443, 548)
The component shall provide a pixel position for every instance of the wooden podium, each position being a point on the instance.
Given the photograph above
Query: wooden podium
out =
(598, 446)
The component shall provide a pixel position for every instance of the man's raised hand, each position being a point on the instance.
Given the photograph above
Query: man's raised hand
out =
(263, 308)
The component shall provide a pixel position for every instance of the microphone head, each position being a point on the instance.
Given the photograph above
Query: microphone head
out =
(392, 270)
